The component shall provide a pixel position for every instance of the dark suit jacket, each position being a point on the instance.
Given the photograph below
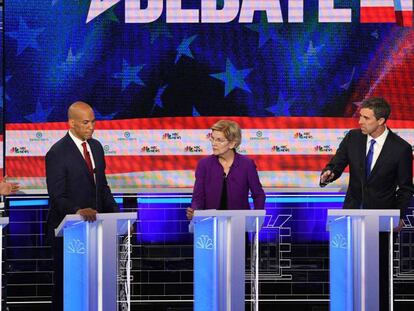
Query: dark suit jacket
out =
(71, 186)
(390, 184)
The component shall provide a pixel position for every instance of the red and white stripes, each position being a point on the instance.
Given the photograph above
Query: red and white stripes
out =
(387, 11)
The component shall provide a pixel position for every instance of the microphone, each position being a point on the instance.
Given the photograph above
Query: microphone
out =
(96, 190)
(362, 173)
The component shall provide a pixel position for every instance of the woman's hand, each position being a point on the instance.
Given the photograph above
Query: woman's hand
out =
(189, 213)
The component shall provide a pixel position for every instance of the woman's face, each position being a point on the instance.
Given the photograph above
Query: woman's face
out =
(220, 143)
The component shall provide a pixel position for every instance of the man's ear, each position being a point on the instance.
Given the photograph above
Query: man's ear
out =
(381, 121)
(71, 123)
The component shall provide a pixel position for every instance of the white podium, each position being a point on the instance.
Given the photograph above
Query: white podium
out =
(90, 260)
(354, 257)
(219, 257)
(3, 223)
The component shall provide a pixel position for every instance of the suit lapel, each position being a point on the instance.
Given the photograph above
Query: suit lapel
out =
(362, 149)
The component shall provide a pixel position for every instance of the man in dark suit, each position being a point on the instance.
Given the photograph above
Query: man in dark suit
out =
(380, 172)
(76, 183)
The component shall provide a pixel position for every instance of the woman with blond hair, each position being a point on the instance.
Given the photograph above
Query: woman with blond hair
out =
(223, 179)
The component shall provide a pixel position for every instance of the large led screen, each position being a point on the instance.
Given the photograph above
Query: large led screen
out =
(159, 73)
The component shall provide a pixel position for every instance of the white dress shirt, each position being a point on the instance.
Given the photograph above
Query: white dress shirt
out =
(78, 144)
(379, 143)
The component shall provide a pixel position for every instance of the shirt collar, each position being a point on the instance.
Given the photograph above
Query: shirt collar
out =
(77, 141)
(380, 140)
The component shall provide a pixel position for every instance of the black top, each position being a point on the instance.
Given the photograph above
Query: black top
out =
(223, 199)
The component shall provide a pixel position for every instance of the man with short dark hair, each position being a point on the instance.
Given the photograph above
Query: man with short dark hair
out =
(76, 183)
(380, 172)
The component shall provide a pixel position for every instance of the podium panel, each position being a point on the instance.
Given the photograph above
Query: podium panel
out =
(3, 223)
(354, 257)
(76, 273)
(219, 257)
(91, 260)
(341, 254)
(205, 264)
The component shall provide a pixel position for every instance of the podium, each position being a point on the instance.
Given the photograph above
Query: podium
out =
(90, 260)
(3, 223)
(219, 257)
(354, 257)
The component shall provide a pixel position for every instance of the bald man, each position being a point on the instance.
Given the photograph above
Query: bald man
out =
(76, 183)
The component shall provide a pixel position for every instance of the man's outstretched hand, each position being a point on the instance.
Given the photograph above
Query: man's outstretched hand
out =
(326, 178)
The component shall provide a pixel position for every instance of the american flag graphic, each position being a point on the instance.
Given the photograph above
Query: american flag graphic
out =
(163, 152)
(387, 11)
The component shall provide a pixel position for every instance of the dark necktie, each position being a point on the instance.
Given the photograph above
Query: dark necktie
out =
(87, 157)
(368, 159)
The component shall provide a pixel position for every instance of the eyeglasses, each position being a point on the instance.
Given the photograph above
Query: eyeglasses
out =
(217, 140)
